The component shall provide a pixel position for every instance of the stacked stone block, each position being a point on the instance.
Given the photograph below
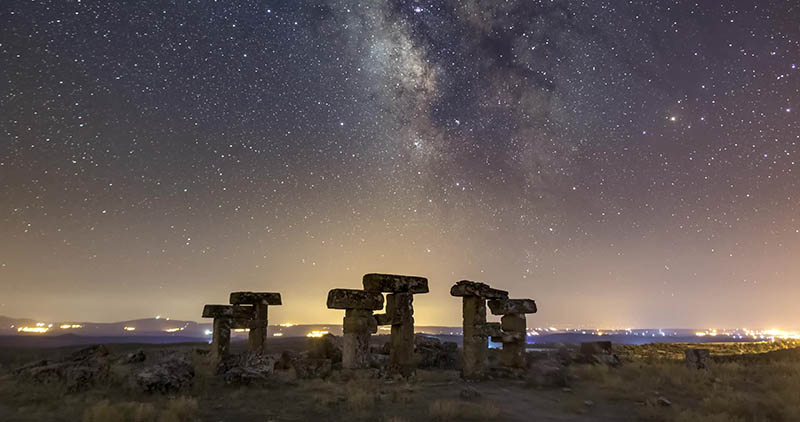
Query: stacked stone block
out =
(399, 314)
(513, 329)
(247, 310)
(358, 323)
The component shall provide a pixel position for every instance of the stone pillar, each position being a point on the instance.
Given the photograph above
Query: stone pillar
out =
(475, 328)
(221, 338)
(399, 314)
(260, 301)
(358, 323)
(513, 329)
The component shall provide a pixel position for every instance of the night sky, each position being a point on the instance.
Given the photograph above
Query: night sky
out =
(626, 164)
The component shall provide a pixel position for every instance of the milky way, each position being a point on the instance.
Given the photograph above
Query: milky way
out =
(625, 164)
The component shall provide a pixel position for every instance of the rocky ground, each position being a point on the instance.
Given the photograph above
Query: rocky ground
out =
(302, 380)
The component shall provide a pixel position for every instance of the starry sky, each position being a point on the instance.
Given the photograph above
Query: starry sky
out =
(624, 163)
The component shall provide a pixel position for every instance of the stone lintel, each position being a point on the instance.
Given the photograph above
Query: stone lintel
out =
(252, 298)
(247, 323)
(354, 299)
(512, 306)
(392, 283)
(474, 288)
(228, 311)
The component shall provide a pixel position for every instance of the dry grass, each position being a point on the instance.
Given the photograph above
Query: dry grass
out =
(452, 410)
(753, 390)
(181, 409)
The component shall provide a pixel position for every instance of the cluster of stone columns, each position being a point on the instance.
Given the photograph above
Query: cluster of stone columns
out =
(360, 323)
(399, 314)
(247, 310)
(250, 310)
(513, 329)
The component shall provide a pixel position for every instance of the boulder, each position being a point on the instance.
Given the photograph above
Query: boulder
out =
(328, 346)
(173, 373)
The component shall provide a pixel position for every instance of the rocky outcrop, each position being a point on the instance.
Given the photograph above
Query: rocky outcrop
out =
(173, 373)
(598, 352)
(76, 372)
(248, 368)
(328, 346)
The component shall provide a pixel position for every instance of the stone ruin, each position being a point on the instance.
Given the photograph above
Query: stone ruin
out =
(360, 323)
(247, 310)
(513, 329)
(476, 330)
(399, 314)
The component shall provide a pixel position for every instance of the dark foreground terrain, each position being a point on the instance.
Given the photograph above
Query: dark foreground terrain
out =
(166, 383)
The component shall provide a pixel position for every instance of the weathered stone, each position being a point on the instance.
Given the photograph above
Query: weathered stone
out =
(173, 373)
(76, 372)
(401, 352)
(475, 342)
(513, 324)
(509, 337)
(513, 353)
(430, 352)
(354, 299)
(512, 306)
(392, 283)
(248, 368)
(229, 311)
(358, 324)
(466, 288)
(257, 337)
(598, 352)
(221, 338)
(400, 308)
(492, 329)
(252, 298)
(355, 350)
(698, 358)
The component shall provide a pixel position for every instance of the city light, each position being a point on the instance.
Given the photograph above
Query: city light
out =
(316, 333)
(68, 326)
(38, 330)
(129, 328)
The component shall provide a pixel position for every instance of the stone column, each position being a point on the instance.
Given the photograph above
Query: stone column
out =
(475, 328)
(399, 314)
(514, 329)
(358, 323)
(257, 337)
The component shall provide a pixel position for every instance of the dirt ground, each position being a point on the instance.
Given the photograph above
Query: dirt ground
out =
(756, 387)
